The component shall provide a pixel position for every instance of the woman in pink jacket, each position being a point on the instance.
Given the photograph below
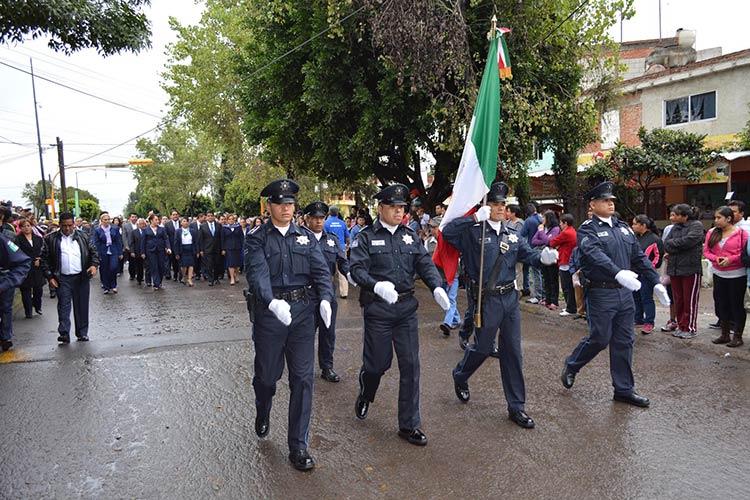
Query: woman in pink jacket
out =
(723, 247)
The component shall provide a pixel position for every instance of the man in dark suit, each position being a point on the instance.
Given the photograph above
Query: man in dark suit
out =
(127, 240)
(173, 226)
(136, 265)
(196, 225)
(210, 244)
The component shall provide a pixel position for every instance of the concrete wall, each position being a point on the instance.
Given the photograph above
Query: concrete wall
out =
(732, 97)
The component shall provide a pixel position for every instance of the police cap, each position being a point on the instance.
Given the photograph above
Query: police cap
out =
(395, 194)
(316, 209)
(281, 191)
(602, 191)
(498, 192)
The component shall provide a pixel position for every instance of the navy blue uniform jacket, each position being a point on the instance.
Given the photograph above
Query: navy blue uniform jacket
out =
(158, 243)
(14, 264)
(273, 261)
(100, 240)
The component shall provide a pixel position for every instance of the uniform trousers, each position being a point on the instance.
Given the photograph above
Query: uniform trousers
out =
(6, 314)
(326, 336)
(274, 343)
(610, 319)
(156, 267)
(467, 328)
(108, 267)
(214, 265)
(135, 267)
(73, 291)
(498, 312)
(389, 327)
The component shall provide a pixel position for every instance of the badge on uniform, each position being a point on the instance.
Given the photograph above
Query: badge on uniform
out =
(303, 240)
(625, 230)
(378, 243)
(504, 247)
(331, 243)
(602, 233)
(13, 247)
(407, 239)
(513, 238)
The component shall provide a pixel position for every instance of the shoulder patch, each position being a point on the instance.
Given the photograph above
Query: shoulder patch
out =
(587, 221)
(12, 246)
(255, 229)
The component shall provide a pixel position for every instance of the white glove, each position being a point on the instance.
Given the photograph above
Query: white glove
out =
(482, 214)
(441, 298)
(282, 310)
(548, 256)
(387, 291)
(350, 279)
(325, 312)
(661, 294)
(629, 280)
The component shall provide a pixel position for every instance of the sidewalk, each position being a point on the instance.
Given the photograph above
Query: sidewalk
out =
(702, 341)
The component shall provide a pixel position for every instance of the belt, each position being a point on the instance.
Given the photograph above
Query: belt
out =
(501, 289)
(603, 284)
(292, 295)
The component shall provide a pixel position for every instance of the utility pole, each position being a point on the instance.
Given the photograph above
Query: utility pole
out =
(39, 140)
(61, 163)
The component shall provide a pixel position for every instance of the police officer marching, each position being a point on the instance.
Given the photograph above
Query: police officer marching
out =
(315, 214)
(14, 266)
(383, 261)
(288, 280)
(608, 250)
(503, 248)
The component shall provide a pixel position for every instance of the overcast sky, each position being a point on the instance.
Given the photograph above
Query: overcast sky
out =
(88, 126)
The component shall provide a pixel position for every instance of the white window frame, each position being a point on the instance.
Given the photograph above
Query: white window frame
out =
(690, 111)
(614, 129)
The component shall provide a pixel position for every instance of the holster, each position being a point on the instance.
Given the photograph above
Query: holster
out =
(251, 303)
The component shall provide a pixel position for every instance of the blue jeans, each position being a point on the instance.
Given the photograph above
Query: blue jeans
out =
(645, 309)
(452, 318)
(525, 273)
(537, 285)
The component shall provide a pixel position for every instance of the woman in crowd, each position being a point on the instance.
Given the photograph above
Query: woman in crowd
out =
(723, 248)
(186, 249)
(232, 240)
(117, 223)
(33, 286)
(565, 242)
(684, 246)
(648, 238)
(548, 230)
(154, 247)
(257, 222)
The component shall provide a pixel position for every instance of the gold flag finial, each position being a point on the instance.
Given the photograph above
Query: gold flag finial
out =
(493, 28)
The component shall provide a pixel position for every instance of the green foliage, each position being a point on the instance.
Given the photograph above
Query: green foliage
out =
(110, 27)
(32, 192)
(743, 138)
(181, 169)
(90, 209)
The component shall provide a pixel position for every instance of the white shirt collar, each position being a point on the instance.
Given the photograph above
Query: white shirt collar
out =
(391, 229)
(282, 230)
(318, 235)
(606, 220)
(496, 225)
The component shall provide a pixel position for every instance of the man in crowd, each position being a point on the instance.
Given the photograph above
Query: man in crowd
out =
(210, 245)
(69, 261)
(282, 263)
(173, 227)
(334, 225)
(128, 228)
(384, 261)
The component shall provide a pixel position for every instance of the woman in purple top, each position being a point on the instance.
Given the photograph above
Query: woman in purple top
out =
(550, 274)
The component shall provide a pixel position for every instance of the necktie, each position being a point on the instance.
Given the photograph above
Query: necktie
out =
(211, 225)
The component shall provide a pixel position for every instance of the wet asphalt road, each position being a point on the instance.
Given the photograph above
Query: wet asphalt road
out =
(159, 405)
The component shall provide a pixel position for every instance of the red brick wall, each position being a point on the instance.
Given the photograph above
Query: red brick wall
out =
(630, 122)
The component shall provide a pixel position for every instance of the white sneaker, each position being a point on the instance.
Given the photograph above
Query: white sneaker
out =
(565, 313)
(532, 300)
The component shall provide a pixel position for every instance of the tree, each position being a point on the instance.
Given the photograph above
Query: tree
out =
(109, 27)
(181, 169)
(743, 138)
(662, 153)
(90, 209)
(32, 192)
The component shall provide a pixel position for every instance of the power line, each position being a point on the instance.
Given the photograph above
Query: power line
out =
(572, 13)
(12, 142)
(81, 91)
(119, 144)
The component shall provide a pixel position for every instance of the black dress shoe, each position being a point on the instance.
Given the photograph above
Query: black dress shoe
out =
(361, 407)
(301, 460)
(83, 338)
(445, 329)
(329, 375)
(29, 316)
(414, 436)
(210, 283)
(65, 339)
(38, 311)
(462, 391)
(262, 425)
(567, 377)
(463, 343)
(521, 419)
(5, 345)
(633, 398)
(495, 352)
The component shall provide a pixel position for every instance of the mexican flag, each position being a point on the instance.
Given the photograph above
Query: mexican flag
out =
(478, 166)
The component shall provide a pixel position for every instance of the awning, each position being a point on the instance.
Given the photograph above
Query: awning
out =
(735, 155)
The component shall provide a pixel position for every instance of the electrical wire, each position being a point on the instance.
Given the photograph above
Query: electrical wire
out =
(123, 143)
(572, 13)
(94, 96)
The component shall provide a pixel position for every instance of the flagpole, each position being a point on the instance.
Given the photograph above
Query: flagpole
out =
(478, 313)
